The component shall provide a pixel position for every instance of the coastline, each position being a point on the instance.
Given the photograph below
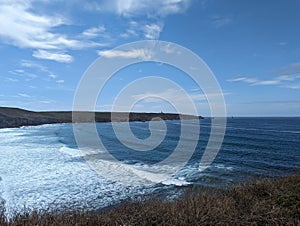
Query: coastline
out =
(15, 117)
(260, 202)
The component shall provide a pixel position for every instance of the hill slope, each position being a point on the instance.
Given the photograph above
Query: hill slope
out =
(15, 117)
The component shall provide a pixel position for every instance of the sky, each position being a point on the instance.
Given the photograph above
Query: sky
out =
(251, 46)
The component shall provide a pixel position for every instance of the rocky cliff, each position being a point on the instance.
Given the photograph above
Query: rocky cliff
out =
(15, 117)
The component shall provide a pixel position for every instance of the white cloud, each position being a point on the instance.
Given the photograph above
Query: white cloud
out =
(31, 64)
(131, 8)
(12, 79)
(163, 100)
(289, 69)
(254, 81)
(129, 33)
(134, 53)
(24, 95)
(287, 78)
(94, 32)
(154, 7)
(132, 31)
(279, 79)
(143, 29)
(243, 79)
(19, 71)
(24, 29)
(37, 66)
(94, 6)
(47, 101)
(282, 43)
(267, 82)
(22, 25)
(221, 21)
(152, 31)
(175, 96)
(51, 55)
(293, 86)
(53, 76)
(60, 81)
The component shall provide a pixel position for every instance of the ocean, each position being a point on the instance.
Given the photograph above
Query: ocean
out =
(42, 168)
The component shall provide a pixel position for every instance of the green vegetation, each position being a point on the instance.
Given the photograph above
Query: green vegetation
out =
(264, 202)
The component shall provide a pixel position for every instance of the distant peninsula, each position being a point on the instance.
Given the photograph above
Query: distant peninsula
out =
(16, 117)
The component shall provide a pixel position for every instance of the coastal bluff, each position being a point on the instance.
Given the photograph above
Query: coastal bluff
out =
(16, 117)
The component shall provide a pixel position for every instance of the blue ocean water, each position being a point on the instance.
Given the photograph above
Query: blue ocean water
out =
(41, 166)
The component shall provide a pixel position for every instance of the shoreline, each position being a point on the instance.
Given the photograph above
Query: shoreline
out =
(264, 201)
(16, 118)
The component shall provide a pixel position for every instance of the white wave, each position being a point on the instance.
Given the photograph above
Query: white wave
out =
(73, 152)
(177, 182)
(223, 167)
(39, 172)
(138, 173)
(133, 175)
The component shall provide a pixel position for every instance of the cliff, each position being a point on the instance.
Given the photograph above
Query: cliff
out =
(15, 117)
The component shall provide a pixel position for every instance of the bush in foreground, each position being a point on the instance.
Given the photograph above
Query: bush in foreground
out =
(272, 202)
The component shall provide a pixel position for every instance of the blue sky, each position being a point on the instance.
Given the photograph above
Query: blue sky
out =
(252, 47)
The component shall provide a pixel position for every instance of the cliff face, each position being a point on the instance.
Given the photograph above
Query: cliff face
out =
(15, 117)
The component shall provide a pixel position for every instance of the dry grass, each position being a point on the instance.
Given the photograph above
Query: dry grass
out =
(267, 202)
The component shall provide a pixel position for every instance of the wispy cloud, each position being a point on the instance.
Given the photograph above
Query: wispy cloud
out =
(293, 86)
(53, 76)
(36, 66)
(282, 43)
(134, 53)
(129, 8)
(23, 73)
(12, 79)
(243, 79)
(129, 33)
(155, 10)
(283, 77)
(19, 70)
(47, 101)
(254, 81)
(31, 64)
(162, 98)
(267, 82)
(154, 7)
(51, 55)
(185, 102)
(152, 31)
(24, 95)
(288, 77)
(143, 30)
(133, 30)
(221, 21)
(289, 69)
(175, 96)
(94, 32)
(21, 26)
(25, 29)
